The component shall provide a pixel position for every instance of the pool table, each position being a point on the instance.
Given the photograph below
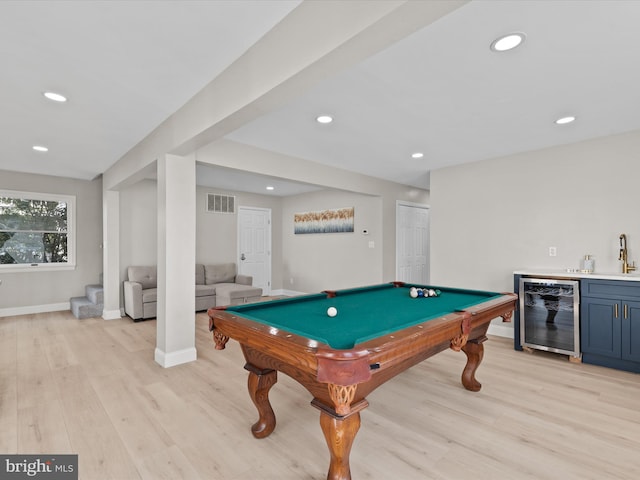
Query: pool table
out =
(378, 332)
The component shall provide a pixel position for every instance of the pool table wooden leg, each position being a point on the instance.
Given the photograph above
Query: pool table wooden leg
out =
(259, 383)
(474, 351)
(339, 432)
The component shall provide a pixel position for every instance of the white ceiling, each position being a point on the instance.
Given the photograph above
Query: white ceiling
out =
(126, 66)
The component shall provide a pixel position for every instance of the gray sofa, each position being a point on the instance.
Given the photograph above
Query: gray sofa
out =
(216, 285)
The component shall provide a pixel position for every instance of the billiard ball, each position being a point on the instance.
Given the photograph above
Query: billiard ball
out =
(332, 311)
(420, 292)
(413, 292)
(432, 292)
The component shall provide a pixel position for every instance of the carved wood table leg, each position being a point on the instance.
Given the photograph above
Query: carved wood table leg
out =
(474, 351)
(259, 383)
(339, 434)
(220, 340)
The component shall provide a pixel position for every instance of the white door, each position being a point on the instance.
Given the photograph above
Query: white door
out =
(412, 243)
(254, 245)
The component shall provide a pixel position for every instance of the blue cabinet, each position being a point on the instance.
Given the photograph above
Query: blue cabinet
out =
(516, 314)
(631, 332)
(601, 327)
(610, 323)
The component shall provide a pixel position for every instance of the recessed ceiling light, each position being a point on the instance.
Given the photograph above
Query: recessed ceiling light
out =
(324, 119)
(417, 155)
(507, 42)
(270, 188)
(565, 120)
(56, 97)
(40, 148)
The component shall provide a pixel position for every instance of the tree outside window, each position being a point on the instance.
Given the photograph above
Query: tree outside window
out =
(35, 229)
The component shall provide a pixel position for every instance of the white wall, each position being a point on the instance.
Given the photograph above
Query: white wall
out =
(217, 233)
(315, 262)
(47, 291)
(216, 236)
(492, 217)
(243, 157)
(139, 225)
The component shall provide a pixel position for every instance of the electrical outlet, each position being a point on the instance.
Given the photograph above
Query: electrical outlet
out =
(553, 251)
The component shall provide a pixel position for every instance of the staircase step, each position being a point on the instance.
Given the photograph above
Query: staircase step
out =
(82, 307)
(95, 293)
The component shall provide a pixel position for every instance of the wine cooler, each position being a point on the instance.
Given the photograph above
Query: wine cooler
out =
(550, 315)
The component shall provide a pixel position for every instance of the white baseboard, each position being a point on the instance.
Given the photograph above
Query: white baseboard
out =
(179, 357)
(500, 330)
(111, 314)
(286, 293)
(52, 307)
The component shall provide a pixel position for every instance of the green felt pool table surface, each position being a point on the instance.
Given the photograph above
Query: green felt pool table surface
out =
(363, 313)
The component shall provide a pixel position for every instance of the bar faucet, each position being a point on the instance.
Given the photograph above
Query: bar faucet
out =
(626, 268)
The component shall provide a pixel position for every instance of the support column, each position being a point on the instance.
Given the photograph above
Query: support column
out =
(111, 254)
(175, 339)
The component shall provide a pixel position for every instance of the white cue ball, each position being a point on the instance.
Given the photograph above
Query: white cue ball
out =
(413, 293)
(332, 311)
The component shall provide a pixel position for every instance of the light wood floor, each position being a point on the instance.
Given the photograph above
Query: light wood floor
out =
(91, 387)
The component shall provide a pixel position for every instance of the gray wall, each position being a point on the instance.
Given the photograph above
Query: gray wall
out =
(217, 233)
(139, 225)
(315, 262)
(492, 217)
(242, 157)
(52, 290)
(487, 219)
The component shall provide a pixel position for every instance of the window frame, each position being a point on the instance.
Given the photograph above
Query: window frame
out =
(70, 201)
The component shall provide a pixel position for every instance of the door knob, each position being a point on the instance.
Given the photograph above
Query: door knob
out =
(242, 257)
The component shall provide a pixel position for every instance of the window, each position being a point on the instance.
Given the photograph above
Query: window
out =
(36, 231)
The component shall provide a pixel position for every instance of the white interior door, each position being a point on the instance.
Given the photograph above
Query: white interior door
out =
(412, 243)
(254, 245)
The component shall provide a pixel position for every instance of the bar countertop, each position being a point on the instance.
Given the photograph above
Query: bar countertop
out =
(576, 274)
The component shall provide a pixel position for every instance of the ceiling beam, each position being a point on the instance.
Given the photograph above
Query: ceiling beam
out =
(315, 41)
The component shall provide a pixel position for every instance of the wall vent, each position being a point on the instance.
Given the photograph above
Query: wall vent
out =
(218, 203)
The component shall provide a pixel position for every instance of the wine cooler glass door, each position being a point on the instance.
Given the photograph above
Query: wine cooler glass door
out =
(549, 315)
